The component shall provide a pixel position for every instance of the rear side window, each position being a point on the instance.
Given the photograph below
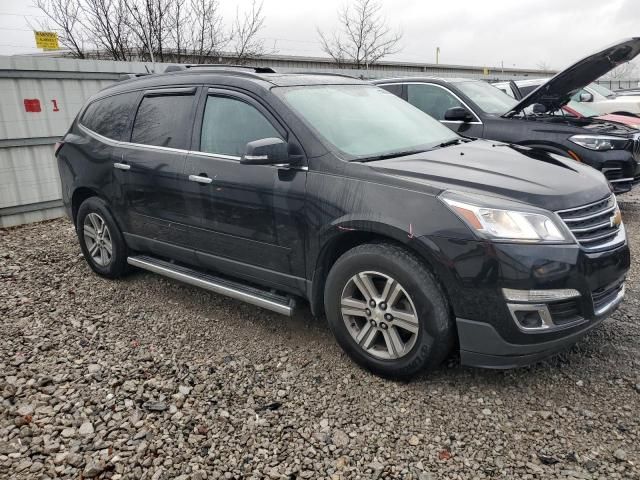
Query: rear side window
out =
(432, 100)
(229, 124)
(395, 89)
(164, 121)
(109, 116)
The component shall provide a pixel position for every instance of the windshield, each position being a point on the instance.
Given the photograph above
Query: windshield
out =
(604, 91)
(363, 121)
(582, 109)
(487, 97)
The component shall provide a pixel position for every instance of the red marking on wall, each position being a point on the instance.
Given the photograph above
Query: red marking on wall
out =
(32, 105)
(55, 105)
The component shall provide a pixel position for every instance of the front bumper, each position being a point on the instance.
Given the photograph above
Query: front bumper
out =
(482, 346)
(474, 274)
(620, 167)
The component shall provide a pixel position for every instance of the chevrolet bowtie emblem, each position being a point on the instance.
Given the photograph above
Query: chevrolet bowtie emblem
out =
(616, 219)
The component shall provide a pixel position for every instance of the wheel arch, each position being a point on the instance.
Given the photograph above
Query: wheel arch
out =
(338, 244)
(80, 194)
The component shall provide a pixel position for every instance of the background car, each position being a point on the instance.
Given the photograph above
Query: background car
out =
(520, 88)
(477, 109)
(604, 100)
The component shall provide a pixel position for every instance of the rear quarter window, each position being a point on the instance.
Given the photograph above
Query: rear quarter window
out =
(109, 116)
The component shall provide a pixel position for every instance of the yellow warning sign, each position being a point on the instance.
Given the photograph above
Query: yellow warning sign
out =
(47, 40)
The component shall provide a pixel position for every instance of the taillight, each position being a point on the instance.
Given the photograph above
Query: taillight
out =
(58, 146)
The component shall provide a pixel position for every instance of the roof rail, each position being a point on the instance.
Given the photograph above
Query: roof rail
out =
(177, 68)
(129, 76)
(331, 74)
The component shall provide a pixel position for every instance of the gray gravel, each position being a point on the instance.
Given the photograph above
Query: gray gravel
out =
(147, 378)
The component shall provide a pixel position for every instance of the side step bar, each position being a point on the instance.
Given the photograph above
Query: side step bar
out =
(255, 296)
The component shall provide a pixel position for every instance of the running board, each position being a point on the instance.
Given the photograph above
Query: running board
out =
(255, 296)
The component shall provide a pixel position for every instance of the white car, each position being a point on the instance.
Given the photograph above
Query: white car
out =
(606, 101)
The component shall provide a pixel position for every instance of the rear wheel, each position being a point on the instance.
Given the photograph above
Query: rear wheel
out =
(387, 311)
(100, 239)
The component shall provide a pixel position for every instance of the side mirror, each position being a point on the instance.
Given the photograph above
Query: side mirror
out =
(458, 114)
(539, 108)
(266, 151)
(586, 97)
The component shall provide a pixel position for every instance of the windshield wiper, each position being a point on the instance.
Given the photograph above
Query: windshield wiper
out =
(385, 156)
(454, 141)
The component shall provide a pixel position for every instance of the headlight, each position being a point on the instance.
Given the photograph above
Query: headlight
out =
(599, 142)
(507, 224)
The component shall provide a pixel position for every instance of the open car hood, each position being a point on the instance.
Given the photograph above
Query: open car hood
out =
(557, 91)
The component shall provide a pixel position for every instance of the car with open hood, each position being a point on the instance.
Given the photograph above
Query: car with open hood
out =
(519, 89)
(475, 108)
(280, 188)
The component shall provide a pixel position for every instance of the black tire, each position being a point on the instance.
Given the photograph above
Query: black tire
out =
(436, 333)
(117, 264)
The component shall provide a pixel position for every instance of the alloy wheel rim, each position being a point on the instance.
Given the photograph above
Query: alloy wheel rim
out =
(97, 239)
(380, 315)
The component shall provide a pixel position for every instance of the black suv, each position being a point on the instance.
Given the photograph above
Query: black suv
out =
(475, 108)
(412, 240)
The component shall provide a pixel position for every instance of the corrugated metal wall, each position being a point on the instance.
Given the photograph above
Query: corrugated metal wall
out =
(39, 98)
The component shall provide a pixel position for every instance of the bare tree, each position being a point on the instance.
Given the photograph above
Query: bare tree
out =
(244, 35)
(149, 22)
(623, 72)
(156, 30)
(64, 16)
(106, 22)
(544, 66)
(207, 36)
(364, 36)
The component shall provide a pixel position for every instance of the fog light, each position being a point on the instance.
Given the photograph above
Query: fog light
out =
(532, 317)
(529, 319)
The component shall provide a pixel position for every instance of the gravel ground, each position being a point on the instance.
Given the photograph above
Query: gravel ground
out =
(148, 378)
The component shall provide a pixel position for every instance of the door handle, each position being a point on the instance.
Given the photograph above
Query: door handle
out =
(121, 166)
(200, 179)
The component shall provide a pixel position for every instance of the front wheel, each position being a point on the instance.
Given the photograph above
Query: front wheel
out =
(387, 311)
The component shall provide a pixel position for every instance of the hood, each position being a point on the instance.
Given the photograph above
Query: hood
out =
(557, 91)
(497, 169)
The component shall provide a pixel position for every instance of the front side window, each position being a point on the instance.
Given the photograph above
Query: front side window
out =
(489, 98)
(109, 116)
(601, 90)
(164, 121)
(229, 124)
(362, 121)
(431, 99)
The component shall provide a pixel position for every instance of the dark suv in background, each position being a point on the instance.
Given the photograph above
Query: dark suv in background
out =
(475, 108)
(411, 239)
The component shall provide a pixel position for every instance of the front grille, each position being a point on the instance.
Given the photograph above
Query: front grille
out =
(606, 294)
(565, 311)
(636, 148)
(594, 225)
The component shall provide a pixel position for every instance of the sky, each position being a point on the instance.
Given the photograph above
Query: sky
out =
(520, 33)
